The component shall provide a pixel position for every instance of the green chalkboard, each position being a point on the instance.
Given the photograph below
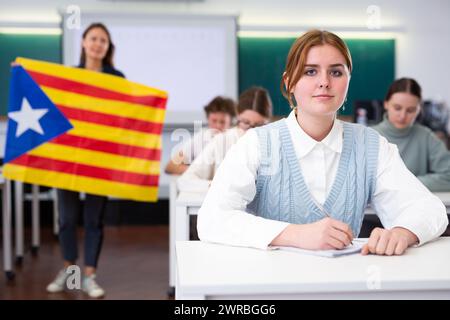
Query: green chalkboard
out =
(262, 62)
(41, 47)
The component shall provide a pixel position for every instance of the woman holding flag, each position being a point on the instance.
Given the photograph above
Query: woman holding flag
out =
(97, 55)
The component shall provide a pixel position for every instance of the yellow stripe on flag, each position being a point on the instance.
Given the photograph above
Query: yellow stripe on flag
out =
(92, 78)
(96, 158)
(106, 106)
(117, 135)
(79, 183)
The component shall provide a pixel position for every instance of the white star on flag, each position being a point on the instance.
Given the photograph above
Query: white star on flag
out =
(27, 118)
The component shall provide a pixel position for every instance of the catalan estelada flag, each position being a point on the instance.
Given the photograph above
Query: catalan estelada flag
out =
(85, 131)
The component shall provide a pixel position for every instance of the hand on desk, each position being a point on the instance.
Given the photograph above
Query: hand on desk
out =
(389, 242)
(324, 234)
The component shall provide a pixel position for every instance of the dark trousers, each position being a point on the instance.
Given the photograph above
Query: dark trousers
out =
(69, 207)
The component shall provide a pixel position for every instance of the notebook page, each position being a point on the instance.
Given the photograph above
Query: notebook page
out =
(351, 249)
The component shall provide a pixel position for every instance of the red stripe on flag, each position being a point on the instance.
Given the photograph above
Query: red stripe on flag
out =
(108, 147)
(86, 171)
(110, 120)
(93, 91)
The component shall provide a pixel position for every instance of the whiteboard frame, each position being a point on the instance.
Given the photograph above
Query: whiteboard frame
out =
(228, 22)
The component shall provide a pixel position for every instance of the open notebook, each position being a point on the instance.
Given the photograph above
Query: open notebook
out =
(351, 249)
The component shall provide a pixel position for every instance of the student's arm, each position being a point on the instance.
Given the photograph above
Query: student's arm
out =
(180, 161)
(176, 165)
(409, 212)
(439, 166)
(223, 219)
(199, 174)
(324, 234)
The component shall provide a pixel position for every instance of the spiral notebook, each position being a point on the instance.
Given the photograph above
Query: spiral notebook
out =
(351, 249)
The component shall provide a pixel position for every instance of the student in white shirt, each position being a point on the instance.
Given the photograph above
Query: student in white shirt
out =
(304, 181)
(219, 114)
(254, 109)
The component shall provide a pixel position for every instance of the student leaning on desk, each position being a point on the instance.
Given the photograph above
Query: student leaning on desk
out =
(254, 109)
(267, 188)
(220, 112)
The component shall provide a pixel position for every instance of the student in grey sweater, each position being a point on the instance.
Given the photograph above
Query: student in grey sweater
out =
(304, 181)
(423, 153)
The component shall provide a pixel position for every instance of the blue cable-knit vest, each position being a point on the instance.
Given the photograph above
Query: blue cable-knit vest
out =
(281, 192)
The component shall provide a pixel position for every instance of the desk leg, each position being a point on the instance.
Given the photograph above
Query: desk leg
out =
(7, 225)
(35, 236)
(173, 192)
(179, 230)
(172, 214)
(19, 221)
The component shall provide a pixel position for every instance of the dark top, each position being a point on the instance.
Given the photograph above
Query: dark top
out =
(109, 70)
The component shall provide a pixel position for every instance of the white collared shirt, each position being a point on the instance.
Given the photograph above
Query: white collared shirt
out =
(193, 147)
(199, 174)
(400, 199)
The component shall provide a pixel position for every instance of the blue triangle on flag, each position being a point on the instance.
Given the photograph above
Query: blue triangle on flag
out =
(20, 137)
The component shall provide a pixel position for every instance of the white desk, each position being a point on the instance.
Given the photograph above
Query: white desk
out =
(188, 203)
(211, 271)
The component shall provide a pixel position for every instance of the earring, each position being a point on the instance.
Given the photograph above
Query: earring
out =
(345, 102)
(294, 102)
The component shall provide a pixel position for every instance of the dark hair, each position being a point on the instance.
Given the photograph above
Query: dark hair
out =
(256, 99)
(296, 58)
(407, 85)
(221, 104)
(108, 59)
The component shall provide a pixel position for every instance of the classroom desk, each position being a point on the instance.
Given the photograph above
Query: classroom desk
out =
(19, 220)
(188, 203)
(19, 198)
(212, 271)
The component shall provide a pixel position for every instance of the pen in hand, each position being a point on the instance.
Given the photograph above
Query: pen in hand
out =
(325, 212)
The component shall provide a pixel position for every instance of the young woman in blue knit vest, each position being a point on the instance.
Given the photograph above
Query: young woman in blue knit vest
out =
(304, 181)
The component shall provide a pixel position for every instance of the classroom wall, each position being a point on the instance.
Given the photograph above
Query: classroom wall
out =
(422, 28)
